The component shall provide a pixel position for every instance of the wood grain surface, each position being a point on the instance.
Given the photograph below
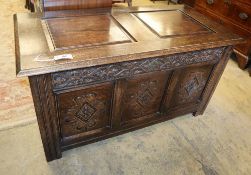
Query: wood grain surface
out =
(88, 31)
(145, 42)
(125, 86)
(52, 5)
(171, 23)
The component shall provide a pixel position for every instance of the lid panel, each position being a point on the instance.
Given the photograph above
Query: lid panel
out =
(171, 23)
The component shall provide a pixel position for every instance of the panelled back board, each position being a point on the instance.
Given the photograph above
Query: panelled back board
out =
(54, 5)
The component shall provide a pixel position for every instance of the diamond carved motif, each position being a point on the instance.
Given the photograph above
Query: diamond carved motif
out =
(115, 71)
(192, 86)
(85, 112)
(146, 92)
(145, 97)
(82, 114)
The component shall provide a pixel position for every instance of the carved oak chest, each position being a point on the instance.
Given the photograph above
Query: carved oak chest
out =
(131, 68)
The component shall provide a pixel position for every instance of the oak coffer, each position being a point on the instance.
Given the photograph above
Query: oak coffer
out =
(98, 73)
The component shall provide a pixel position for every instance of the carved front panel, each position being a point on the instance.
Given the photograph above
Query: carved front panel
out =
(190, 85)
(109, 72)
(143, 96)
(85, 111)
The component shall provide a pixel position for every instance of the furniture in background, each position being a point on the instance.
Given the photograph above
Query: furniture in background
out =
(236, 15)
(129, 2)
(57, 5)
(29, 5)
(168, 1)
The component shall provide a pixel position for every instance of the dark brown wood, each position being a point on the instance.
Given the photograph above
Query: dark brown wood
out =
(29, 5)
(84, 112)
(142, 97)
(213, 81)
(52, 5)
(181, 23)
(47, 115)
(71, 78)
(84, 104)
(236, 15)
(144, 42)
(88, 31)
(188, 2)
(127, 73)
(242, 59)
(118, 93)
(188, 86)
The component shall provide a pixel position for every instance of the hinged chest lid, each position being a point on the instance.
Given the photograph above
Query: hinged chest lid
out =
(105, 37)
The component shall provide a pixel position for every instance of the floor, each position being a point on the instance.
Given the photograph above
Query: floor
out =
(216, 143)
(16, 106)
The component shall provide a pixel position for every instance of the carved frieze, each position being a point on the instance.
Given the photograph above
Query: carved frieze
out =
(89, 75)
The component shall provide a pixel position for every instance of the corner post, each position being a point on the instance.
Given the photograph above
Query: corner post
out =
(213, 80)
(47, 117)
